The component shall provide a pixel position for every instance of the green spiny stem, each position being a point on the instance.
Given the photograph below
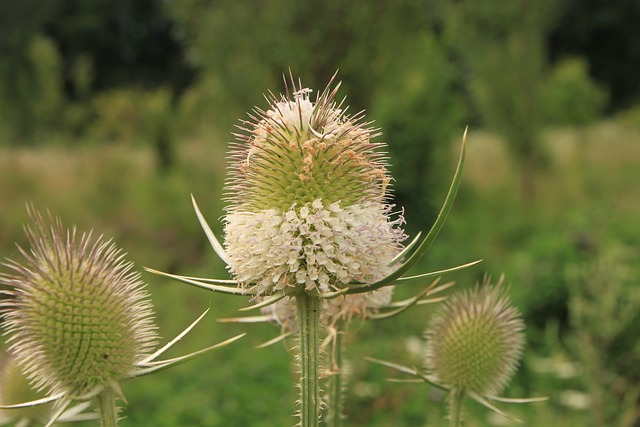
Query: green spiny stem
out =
(336, 381)
(308, 359)
(107, 408)
(456, 399)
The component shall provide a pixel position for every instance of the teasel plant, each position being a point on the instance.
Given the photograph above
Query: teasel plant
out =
(473, 345)
(79, 320)
(336, 316)
(309, 218)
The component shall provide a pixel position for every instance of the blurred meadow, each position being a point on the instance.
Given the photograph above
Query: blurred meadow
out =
(113, 112)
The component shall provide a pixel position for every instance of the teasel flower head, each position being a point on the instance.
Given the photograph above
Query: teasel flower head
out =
(308, 219)
(475, 341)
(308, 198)
(78, 316)
(308, 206)
(473, 346)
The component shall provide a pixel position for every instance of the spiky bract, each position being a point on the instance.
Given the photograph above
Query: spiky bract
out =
(308, 198)
(15, 388)
(475, 341)
(78, 317)
(336, 312)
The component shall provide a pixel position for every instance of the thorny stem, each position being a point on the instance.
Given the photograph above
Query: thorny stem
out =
(308, 359)
(335, 399)
(456, 399)
(106, 402)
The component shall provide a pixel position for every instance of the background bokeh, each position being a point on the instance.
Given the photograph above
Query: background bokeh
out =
(112, 112)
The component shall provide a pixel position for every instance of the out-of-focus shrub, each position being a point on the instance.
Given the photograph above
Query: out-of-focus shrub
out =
(47, 94)
(604, 307)
(570, 96)
(630, 117)
(119, 115)
(128, 116)
(136, 116)
(418, 111)
(31, 90)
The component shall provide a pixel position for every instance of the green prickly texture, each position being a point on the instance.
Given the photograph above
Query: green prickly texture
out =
(471, 352)
(300, 151)
(278, 175)
(77, 315)
(456, 402)
(82, 329)
(475, 341)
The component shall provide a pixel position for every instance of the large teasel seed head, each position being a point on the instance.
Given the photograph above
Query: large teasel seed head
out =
(475, 341)
(77, 315)
(308, 197)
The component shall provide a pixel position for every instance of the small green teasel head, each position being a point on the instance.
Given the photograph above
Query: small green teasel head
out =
(475, 340)
(473, 345)
(307, 198)
(78, 317)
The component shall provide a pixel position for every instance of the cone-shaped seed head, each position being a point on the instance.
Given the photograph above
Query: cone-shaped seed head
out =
(475, 341)
(307, 197)
(77, 315)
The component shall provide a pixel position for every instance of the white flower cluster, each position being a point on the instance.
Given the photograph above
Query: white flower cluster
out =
(319, 247)
(297, 115)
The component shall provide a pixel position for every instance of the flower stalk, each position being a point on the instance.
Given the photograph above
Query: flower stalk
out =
(335, 397)
(456, 402)
(309, 358)
(106, 403)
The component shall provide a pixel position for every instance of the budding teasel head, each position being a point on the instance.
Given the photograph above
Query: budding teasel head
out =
(308, 198)
(475, 341)
(473, 346)
(77, 316)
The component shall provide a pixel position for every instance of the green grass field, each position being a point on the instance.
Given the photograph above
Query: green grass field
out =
(586, 205)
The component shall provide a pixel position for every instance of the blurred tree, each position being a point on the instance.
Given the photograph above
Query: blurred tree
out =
(570, 96)
(111, 46)
(387, 59)
(502, 45)
(58, 56)
(24, 80)
(607, 34)
(129, 43)
(419, 110)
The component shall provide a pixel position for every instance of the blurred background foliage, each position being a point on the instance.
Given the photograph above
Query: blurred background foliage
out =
(113, 111)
